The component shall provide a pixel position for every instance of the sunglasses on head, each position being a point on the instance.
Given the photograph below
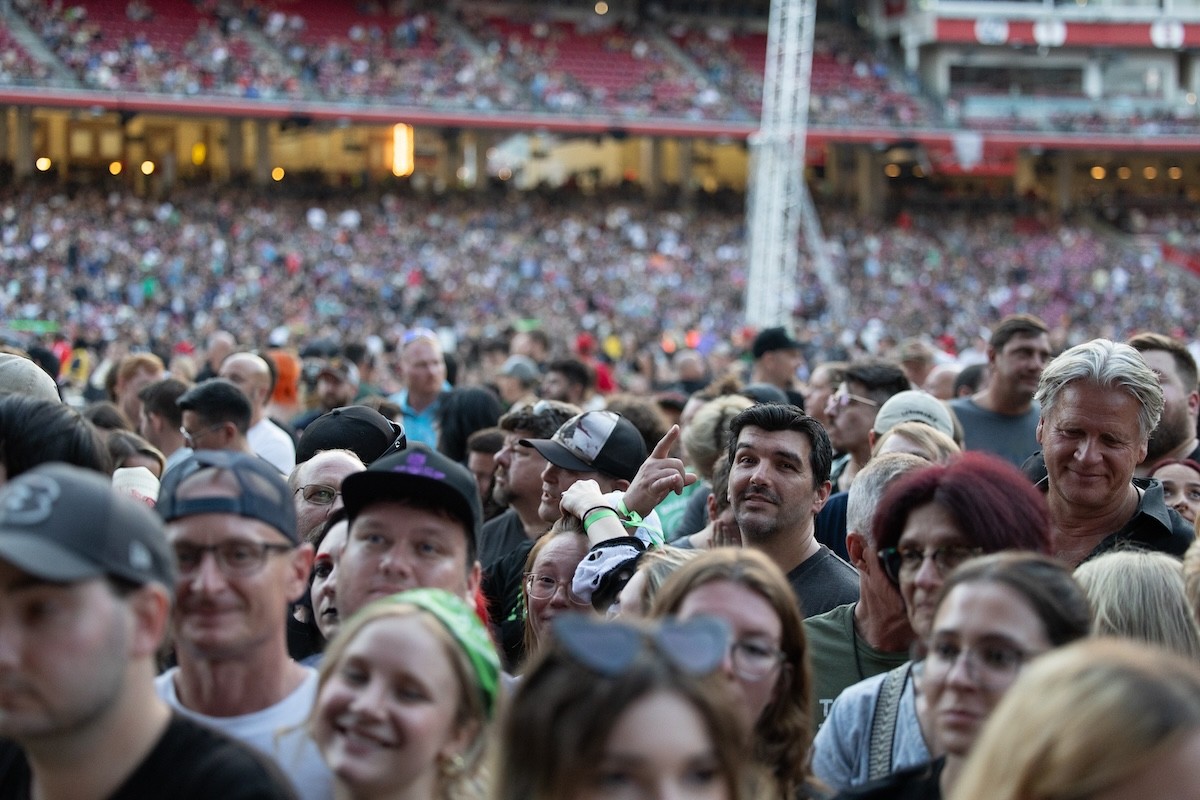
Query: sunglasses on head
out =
(696, 647)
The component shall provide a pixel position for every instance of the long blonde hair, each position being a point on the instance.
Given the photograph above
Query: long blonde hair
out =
(1082, 719)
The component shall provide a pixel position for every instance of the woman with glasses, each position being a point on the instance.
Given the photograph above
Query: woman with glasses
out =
(616, 711)
(404, 697)
(994, 615)
(927, 523)
(546, 588)
(1101, 719)
(767, 663)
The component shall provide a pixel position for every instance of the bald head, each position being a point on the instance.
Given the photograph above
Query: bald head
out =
(251, 374)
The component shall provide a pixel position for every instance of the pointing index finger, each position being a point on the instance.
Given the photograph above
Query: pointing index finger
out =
(663, 448)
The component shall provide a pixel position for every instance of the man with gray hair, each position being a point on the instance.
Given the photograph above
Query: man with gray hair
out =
(858, 640)
(1099, 403)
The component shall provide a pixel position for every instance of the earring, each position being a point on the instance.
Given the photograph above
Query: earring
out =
(451, 767)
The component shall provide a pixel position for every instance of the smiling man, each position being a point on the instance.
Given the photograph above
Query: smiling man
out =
(778, 481)
(232, 525)
(1099, 403)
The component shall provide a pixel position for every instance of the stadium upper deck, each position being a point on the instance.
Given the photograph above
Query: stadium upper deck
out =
(1022, 66)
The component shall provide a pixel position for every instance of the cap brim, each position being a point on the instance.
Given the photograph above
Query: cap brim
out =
(364, 488)
(46, 559)
(558, 455)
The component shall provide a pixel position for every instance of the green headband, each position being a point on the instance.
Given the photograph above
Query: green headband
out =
(462, 623)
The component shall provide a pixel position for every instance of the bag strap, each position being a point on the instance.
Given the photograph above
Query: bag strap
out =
(883, 723)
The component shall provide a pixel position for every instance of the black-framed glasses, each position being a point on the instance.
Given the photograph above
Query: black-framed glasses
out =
(319, 494)
(543, 587)
(696, 646)
(904, 562)
(189, 438)
(234, 558)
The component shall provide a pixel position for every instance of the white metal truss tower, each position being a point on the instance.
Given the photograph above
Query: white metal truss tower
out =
(779, 202)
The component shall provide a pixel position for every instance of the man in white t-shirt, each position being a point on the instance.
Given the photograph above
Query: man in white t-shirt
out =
(253, 375)
(232, 525)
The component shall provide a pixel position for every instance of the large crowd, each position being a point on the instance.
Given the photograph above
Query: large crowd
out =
(639, 279)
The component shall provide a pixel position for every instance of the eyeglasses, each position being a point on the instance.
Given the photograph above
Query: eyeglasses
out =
(235, 559)
(905, 562)
(842, 398)
(695, 647)
(319, 494)
(754, 660)
(992, 664)
(190, 438)
(543, 587)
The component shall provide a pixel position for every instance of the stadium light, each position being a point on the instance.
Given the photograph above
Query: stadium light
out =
(1175, 173)
(147, 167)
(114, 168)
(602, 8)
(1149, 173)
(1124, 173)
(199, 154)
(402, 150)
(277, 174)
(43, 164)
(1099, 173)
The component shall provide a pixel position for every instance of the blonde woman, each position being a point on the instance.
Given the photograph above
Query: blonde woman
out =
(1139, 595)
(405, 693)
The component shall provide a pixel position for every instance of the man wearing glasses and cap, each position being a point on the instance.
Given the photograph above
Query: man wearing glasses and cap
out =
(231, 523)
(85, 594)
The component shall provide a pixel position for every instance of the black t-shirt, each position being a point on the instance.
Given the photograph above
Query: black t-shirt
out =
(189, 762)
(502, 588)
(499, 537)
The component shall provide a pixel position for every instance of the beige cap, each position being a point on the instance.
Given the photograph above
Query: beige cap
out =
(19, 375)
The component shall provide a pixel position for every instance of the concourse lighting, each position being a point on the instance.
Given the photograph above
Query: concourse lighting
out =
(43, 164)
(277, 174)
(1099, 173)
(403, 161)
(147, 167)
(114, 168)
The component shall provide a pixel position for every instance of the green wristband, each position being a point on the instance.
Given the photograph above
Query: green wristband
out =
(597, 514)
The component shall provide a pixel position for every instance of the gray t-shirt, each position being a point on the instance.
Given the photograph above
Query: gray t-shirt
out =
(843, 743)
(1013, 438)
(823, 582)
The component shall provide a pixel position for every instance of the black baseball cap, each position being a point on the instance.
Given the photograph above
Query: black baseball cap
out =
(64, 524)
(363, 430)
(417, 473)
(595, 441)
(262, 493)
(772, 339)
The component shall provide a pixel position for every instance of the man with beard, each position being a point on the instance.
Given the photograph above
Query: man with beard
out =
(778, 480)
(1002, 417)
(1175, 437)
(1099, 403)
(518, 478)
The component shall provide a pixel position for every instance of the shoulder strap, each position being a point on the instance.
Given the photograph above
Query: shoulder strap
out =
(883, 723)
